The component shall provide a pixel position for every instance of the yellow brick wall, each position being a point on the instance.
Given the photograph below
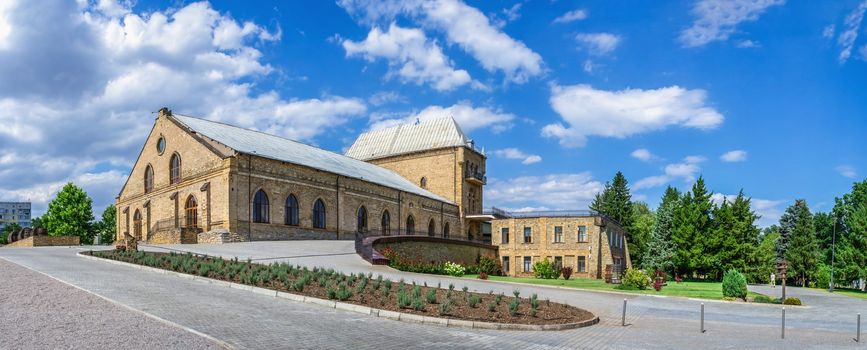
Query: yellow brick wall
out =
(595, 248)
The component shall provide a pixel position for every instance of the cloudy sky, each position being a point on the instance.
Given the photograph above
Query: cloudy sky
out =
(767, 96)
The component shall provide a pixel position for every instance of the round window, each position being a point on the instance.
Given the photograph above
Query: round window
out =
(161, 145)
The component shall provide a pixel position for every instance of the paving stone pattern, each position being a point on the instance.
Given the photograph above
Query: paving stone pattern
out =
(248, 320)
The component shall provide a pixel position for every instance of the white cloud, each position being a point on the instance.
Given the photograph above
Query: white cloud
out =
(849, 32)
(72, 69)
(384, 97)
(769, 210)
(734, 156)
(716, 20)
(588, 66)
(748, 44)
(685, 170)
(411, 56)
(828, 32)
(556, 191)
(846, 171)
(598, 43)
(588, 111)
(463, 25)
(468, 117)
(642, 154)
(514, 153)
(571, 16)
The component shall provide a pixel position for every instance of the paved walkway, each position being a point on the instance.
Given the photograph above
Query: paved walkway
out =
(247, 320)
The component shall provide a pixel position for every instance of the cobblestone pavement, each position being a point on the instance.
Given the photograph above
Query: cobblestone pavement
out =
(38, 312)
(248, 320)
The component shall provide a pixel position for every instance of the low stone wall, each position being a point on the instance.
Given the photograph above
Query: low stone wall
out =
(45, 241)
(175, 236)
(435, 249)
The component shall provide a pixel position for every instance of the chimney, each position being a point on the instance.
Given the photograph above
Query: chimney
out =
(165, 111)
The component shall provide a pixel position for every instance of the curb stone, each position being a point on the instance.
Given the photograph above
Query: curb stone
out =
(393, 315)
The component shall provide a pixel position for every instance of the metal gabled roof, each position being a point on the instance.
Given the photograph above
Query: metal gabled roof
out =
(290, 151)
(408, 138)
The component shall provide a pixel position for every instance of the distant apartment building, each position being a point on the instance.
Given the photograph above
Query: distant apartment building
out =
(14, 213)
(588, 242)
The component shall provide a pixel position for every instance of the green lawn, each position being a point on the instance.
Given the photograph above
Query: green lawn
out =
(851, 293)
(702, 290)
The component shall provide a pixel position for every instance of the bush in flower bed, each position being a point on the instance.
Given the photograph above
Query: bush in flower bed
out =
(545, 269)
(454, 269)
(635, 279)
(361, 289)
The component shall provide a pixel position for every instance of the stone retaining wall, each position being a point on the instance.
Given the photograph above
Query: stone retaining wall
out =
(434, 249)
(46, 241)
(175, 236)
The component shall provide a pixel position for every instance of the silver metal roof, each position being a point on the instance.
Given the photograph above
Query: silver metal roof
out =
(278, 148)
(408, 138)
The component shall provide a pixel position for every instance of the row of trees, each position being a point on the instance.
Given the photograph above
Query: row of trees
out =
(692, 236)
(70, 213)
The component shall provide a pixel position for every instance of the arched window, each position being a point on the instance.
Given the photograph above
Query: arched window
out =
(410, 225)
(290, 216)
(446, 230)
(431, 228)
(149, 179)
(261, 207)
(423, 182)
(175, 169)
(136, 224)
(319, 214)
(361, 221)
(191, 209)
(386, 223)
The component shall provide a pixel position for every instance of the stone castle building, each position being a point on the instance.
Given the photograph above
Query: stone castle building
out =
(202, 181)
(590, 243)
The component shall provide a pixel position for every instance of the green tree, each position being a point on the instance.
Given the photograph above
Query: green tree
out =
(824, 223)
(763, 261)
(37, 223)
(798, 241)
(107, 227)
(660, 248)
(70, 213)
(4, 234)
(735, 235)
(690, 228)
(642, 225)
(615, 201)
(851, 255)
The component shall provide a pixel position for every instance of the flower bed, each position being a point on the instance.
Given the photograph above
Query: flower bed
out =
(364, 289)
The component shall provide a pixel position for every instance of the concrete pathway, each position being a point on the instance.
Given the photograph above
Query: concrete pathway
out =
(247, 320)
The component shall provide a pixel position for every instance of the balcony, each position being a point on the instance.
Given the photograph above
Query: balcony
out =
(476, 177)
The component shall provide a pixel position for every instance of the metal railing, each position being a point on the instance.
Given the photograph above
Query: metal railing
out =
(478, 175)
(497, 212)
(456, 236)
(172, 223)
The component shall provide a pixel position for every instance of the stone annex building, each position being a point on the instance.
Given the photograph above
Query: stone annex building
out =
(202, 181)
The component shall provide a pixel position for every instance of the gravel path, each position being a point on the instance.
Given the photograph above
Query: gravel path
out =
(38, 312)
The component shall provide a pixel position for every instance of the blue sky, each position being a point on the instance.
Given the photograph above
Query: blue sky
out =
(767, 96)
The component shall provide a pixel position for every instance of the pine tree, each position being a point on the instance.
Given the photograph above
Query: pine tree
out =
(851, 251)
(660, 248)
(691, 226)
(736, 233)
(798, 241)
(615, 202)
(763, 260)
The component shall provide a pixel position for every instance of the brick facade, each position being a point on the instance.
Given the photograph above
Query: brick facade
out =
(604, 243)
(224, 183)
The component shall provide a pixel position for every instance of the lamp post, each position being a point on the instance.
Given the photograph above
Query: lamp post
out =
(833, 252)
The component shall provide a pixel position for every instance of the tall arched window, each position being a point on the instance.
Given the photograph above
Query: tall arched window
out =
(423, 182)
(361, 222)
(136, 224)
(431, 227)
(386, 223)
(319, 214)
(290, 216)
(149, 179)
(410, 225)
(446, 230)
(175, 169)
(261, 207)
(191, 209)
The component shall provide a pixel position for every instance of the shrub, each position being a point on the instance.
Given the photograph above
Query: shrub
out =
(489, 266)
(498, 298)
(792, 301)
(534, 301)
(513, 307)
(454, 269)
(635, 278)
(418, 304)
(473, 300)
(566, 272)
(431, 296)
(343, 293)
(444, 308)
(483, 275)
(403, 300)
(545, 269)
(734, 284)
(764, 299)
(492, 307)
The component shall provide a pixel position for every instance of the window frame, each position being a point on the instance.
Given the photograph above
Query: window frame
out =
(261, 210)
(582, 233)
(558, 234)
(528, 264)
(191, 213)
(175, 170)
(528, 235)
(149, 179)
(505, 262)
(581, 263)
(319, 214)
(504, 235)
(290, 211)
